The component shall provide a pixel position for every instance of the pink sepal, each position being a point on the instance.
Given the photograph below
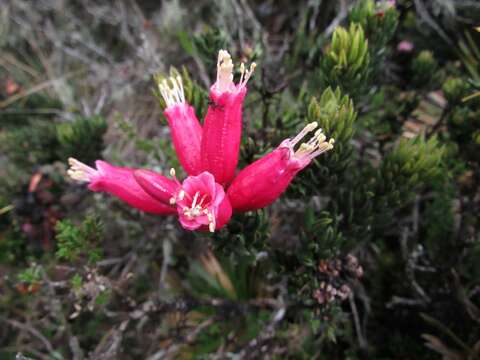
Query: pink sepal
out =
(156, 185)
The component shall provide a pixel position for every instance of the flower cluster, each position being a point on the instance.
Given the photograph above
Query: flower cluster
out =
(334, 276)
(206, 199)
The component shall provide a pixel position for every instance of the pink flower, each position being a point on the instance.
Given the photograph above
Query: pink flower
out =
(201, 203)
(206, 199)
(184, 125)
(262, 182)
(223, 123)
(405, 46)
(118, 181)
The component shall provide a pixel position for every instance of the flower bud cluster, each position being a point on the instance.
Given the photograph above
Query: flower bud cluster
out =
(334, 275)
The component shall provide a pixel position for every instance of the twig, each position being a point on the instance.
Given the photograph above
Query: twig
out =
(422, 11)
(6, 209)
(32, 331)
(37, 88)
(362, 342)
(342, 14)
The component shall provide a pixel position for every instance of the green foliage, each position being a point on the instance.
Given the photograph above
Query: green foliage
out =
(455, 89)
(42, 142)
(76, 282)
(206, 45)
(31, 145)
(345, 63)
(247, 234)
(21, 113)
(463, 123)
(207, 284)
(75, 242)
(147, 146)
(322, 238)
(72, 136)
(425, 70)
(31, 275)
(439, 233)
(469, 53)
(412, 164)
(336, 115)
(378, 20)
(12, 246)
(236, 278)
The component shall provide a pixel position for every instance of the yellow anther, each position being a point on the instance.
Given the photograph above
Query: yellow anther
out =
(311, 126)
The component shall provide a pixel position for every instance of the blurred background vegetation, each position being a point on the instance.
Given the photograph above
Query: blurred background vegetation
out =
(373, 252)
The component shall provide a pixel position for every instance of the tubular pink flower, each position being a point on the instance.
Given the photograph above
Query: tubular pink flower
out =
(222, 128)
(263, 181)
(118, 181)
(184, 125)
(202, 204)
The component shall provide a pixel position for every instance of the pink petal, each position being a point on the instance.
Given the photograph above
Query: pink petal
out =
(222, 132)
(263, 181)
(224, 213)
(205, 183)
(186, 136)
(202, 204)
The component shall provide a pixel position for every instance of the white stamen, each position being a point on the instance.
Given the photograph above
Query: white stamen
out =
(211, 222)
(181, 195)
(248, 74)
(173, 94)
(79, 171)
(180, 86)
(197, 208)
(195, 197)
(174, 177)
(309, 128)
(187, 213)
(242, 72)
(323, 147)
(225, 73)
(172, 201)
(317, 145)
